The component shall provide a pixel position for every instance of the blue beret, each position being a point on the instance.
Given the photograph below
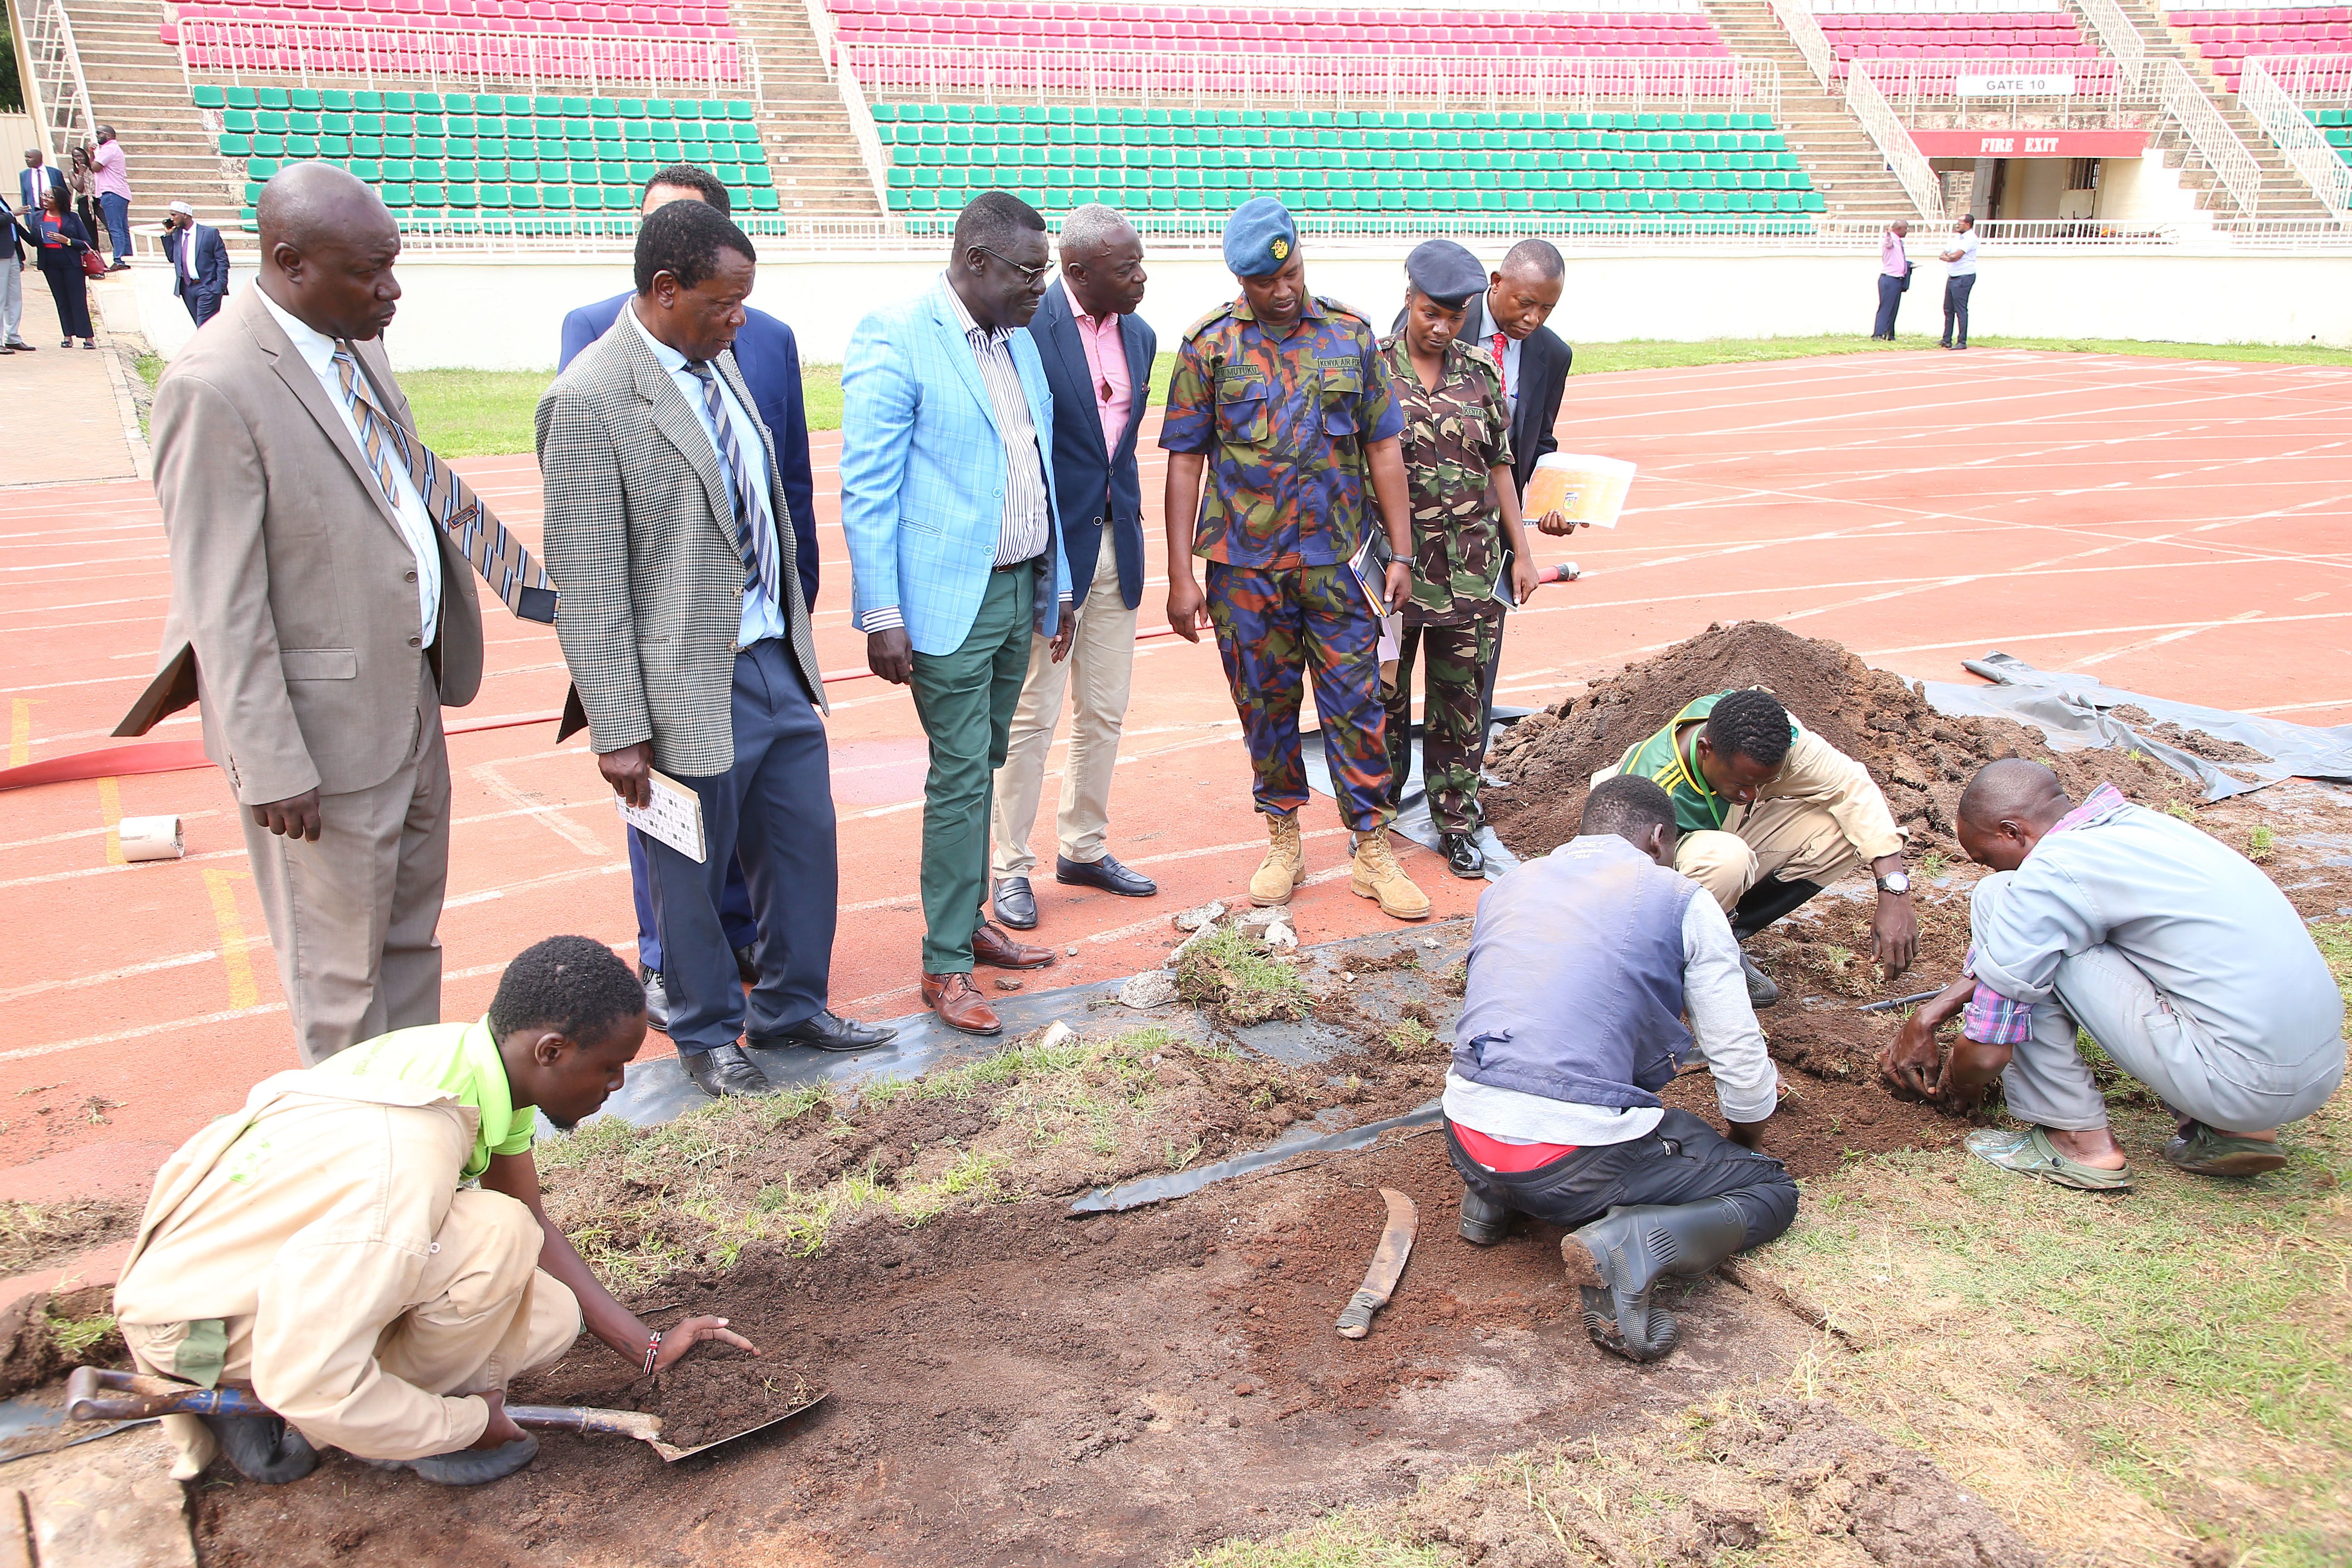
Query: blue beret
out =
(1445, 271)
(1259, 237)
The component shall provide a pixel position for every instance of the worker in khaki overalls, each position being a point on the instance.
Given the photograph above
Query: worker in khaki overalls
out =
(1770, 815)
(316, 1247)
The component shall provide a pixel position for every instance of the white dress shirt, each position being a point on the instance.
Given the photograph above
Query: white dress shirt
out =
(763, 617)
(1715, 994)
(1488, 331)
(318, 351)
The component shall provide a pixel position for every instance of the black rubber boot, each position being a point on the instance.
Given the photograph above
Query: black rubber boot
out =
(473, 1467)
(1769, 900)
(263, 1448)
(1483, 1221)
(1618, 1257)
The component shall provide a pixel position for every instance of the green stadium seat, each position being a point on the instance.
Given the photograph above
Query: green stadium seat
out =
(240, 98)
(764, 201)
(236, 146)
(395, 196)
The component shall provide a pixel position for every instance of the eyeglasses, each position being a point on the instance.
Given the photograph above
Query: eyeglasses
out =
(1029, 275)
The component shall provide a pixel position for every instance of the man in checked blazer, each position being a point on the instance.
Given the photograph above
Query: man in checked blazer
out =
(689, 644)
(947, 500)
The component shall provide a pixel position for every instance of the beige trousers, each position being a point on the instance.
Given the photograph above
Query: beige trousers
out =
(1793, 840)
(484, 1314)
(353, 915)
(1097, 674)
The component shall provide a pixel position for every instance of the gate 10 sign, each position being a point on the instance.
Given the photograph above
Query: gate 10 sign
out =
(2055, 86)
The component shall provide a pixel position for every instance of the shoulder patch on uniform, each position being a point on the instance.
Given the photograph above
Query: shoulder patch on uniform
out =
(1334, 307)
(1223, 313)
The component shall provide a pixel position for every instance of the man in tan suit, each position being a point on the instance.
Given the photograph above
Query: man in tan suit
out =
(320, 612)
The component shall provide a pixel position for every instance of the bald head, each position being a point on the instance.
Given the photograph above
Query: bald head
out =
(2005, 810)
(327, 243)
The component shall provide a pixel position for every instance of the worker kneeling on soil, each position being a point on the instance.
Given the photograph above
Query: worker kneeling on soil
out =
(2186, 964)
(316, 1247)
(1770, 813)
(1582, 966)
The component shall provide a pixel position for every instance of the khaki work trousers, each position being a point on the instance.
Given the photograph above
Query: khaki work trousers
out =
(1097, 677)
(353, 916)
(1794, 840)
(484, 1314)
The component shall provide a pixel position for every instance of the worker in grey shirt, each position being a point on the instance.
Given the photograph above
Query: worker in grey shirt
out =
(2186, 964)
(1581, 967)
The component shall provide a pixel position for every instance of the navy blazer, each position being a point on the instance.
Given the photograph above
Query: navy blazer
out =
(29, 196)
(1092, 486)
(770, 358)
(212, 260)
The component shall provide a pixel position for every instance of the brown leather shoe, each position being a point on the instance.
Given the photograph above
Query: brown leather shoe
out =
(990, 946)
(958, 1006)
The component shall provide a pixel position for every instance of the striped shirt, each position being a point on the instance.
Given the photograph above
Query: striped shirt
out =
(1021, 533)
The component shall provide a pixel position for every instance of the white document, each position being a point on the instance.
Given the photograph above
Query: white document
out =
(674, 817)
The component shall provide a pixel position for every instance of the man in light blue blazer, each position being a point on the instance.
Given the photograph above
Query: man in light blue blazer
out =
(947, 500)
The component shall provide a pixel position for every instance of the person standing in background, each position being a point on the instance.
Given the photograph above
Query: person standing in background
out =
(13, 258)
(1894, 278)
(770, 361)
(1096, 354)
(199, 262)
(1959, 279)
(36, 180)
(64, 241)
(110, 181)
(948, 503)
(83, 180)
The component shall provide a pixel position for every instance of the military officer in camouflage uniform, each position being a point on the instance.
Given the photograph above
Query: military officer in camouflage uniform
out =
(1466, 523)
(1283, 398)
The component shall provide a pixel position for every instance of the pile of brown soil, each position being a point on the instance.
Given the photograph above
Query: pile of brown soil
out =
(34, 1235)
(1920, 758)
(715, 1391)
(30, 1350)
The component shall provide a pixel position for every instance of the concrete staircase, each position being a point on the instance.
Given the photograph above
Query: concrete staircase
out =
(135, 86)
(803, 124)
(1838, 155)
(2284, 193)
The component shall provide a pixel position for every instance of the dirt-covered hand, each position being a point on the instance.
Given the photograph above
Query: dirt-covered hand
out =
(698, 1331)
(1896, 933)
(501, 1430)
(1186, 613)
(1911, 1065)
(1969, 1071)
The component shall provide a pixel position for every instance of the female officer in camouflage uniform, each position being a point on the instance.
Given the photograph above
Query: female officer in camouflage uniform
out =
(1466, 512)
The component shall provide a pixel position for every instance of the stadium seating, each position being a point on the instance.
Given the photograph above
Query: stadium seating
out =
(462, 162)
(695, 21)
(1404, 167)
(2004, 35)
(2227, 38)
(1658, 32)
(2335, 124)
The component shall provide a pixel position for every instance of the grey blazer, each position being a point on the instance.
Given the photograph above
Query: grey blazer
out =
(293, 589)
(640, 539)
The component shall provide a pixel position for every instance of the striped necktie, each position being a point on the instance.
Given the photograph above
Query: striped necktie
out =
(757, 544)
(449, 501)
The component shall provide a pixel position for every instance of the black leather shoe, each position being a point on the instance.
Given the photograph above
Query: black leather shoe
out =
(656, 999)
(1016, 905)
(746, 969)
(827, 1032)
(1463, 855)
(724, 1071)
(1106, 874)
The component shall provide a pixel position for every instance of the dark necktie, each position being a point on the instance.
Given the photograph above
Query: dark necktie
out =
(756, 543)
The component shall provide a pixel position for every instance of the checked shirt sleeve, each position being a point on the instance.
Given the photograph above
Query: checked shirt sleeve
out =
(1991, 1018)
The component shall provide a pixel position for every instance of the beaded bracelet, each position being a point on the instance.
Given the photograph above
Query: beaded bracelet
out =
(652, 1351)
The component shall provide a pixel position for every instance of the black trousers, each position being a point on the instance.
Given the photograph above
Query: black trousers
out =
(1681, 1162)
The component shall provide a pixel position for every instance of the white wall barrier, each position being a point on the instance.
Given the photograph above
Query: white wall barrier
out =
(507, 313)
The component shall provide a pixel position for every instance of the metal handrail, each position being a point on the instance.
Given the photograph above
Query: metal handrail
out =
(1869, 106)
(238, 49)
(1797, 20)
(862, 131)
(821, 28)
(2118, 34)
(62, 91)
(2305, 76)
(2188, 106)
(2107, 94)
(922, 71)
(2306, 152)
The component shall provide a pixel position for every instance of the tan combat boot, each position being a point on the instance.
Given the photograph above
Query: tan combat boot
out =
(1285, 866)
(1376, 875)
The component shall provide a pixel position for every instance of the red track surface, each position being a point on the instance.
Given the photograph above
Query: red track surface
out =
(2180, 526)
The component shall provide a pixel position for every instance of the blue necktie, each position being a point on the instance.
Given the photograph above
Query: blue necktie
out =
(755, 542)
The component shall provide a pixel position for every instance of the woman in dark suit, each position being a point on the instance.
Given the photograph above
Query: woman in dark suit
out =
(64, 241)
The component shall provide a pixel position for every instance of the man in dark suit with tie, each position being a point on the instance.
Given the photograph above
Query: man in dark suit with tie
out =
(199, 262)
(770, 360)
(34, 184)
(1098, 357)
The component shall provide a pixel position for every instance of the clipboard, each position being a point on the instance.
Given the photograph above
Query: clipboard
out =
(674, 815)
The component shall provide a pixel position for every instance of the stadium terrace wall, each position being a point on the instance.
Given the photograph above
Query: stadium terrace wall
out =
(505, 313)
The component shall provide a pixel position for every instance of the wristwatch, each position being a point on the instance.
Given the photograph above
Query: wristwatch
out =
(1896, 882)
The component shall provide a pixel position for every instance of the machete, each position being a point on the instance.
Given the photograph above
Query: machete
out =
(1388, 1262)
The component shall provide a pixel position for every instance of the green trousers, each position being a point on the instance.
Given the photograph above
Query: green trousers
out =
(965, 699)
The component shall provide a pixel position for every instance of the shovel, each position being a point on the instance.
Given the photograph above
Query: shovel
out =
(94, 1393)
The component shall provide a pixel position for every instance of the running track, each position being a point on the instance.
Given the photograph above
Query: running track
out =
(2180, 526)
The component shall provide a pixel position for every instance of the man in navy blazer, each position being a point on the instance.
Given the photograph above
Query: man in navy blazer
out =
(1096, 354)
(769, 359)
(34, 184)
(199, 262)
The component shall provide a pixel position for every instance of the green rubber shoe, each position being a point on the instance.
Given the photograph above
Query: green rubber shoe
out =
(2206, 1153)
(2030, 1154)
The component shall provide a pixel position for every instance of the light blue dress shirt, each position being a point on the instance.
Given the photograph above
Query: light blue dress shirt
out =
(763, 617)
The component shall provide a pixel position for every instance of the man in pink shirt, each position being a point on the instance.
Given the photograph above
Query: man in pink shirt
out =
(1894, 278)
(111, 181)
(1098, 357)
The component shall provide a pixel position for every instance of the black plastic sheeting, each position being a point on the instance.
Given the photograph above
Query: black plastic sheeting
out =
(1303, 1141)
(2076, 711)
(1412, 819)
